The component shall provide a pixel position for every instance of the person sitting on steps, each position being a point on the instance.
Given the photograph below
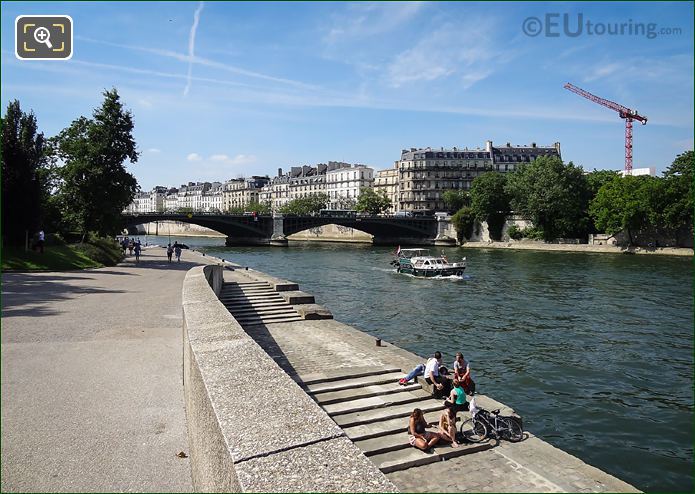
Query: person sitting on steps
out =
(440, 384)
(447, 427)
(419, 437)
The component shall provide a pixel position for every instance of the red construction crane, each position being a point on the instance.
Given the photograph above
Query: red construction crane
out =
(624, 113)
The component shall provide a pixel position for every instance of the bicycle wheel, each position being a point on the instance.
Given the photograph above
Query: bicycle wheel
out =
(473, 430)
(512, 430)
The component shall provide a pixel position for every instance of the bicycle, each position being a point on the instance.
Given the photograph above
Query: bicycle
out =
(484, 424)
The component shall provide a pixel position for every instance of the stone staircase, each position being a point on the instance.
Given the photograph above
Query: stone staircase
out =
(256, 302)
(373, 410)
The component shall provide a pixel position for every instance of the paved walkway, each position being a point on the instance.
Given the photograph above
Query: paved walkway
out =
(92, 396)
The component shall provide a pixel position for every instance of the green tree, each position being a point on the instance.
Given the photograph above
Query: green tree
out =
(597, 178)
(372, 202)
(455, 199)
(463, 221)
(489, 201)
(678, 191)
(258, 207)
(94, 183)
(312, 204)
(623, 204)
(554, 195)
(24, 174)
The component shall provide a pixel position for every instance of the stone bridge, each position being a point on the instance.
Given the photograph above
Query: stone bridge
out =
(274, 230)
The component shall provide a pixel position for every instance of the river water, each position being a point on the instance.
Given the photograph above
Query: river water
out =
(594, 351)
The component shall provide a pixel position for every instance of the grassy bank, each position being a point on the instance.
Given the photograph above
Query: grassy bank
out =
(61, 257)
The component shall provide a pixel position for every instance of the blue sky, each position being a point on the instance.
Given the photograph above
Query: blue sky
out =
(251, 87)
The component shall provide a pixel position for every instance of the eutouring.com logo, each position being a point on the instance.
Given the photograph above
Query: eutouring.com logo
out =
(555, 25)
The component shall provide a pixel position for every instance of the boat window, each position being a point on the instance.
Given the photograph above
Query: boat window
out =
(427, 263)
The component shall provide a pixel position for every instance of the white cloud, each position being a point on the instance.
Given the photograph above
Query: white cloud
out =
(194, 157)
(447, 51)
(204, 62)
(365, 19)
(154, 150)
(239, 159)
(191, 46)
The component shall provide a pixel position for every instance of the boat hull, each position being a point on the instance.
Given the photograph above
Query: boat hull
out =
(431, 273)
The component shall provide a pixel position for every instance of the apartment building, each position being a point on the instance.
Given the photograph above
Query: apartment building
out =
(386, 181)
(345, 183)
(425, 173)
(240, 192)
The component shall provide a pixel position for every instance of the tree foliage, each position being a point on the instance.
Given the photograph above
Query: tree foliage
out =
(311, 204)
(490, 202)
(621, 204)
(94, 183)
(488, 195)
(24, 174)
(678, 191)
(552, 194)
(463, 221)
(455, 199)
(372, 202)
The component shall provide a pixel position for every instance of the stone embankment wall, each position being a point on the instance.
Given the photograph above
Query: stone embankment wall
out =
(251, 428)
(177, 228)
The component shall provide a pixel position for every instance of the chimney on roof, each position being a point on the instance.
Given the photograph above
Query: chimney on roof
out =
(279, 172)
(533, 144)
(557, 147)
(455, 148)
(509, 144)
(412, 150)
(488, 146)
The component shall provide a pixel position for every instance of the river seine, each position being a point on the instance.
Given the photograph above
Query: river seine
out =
(595, 351)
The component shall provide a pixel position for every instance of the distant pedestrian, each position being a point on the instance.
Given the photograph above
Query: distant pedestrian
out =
(177, 251)
(124, 244)
(42, 239)
(138, 249)
(131, 246)
(170, 252)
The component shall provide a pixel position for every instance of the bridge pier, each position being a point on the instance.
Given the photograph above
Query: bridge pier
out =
(443, 239)
(278, 239)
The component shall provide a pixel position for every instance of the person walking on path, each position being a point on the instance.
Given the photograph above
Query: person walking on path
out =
(42, 240)
(177, 251)
(170, 252)
(137, 248)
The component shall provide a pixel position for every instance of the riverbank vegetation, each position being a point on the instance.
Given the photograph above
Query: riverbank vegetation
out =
(562, 201)
(74, 183)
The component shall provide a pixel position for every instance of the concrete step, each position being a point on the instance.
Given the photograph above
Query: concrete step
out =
(260, 310)
(246, 291)
(274, 298)
(381, 414)
(279, 321)
(245, 305)
(331, 397)
(355, 381)
(385, 444)
(268, 318)
(403, 459)
(374, 402)
(392, 426)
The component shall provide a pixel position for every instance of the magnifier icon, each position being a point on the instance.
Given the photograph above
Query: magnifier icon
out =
(43, 35)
